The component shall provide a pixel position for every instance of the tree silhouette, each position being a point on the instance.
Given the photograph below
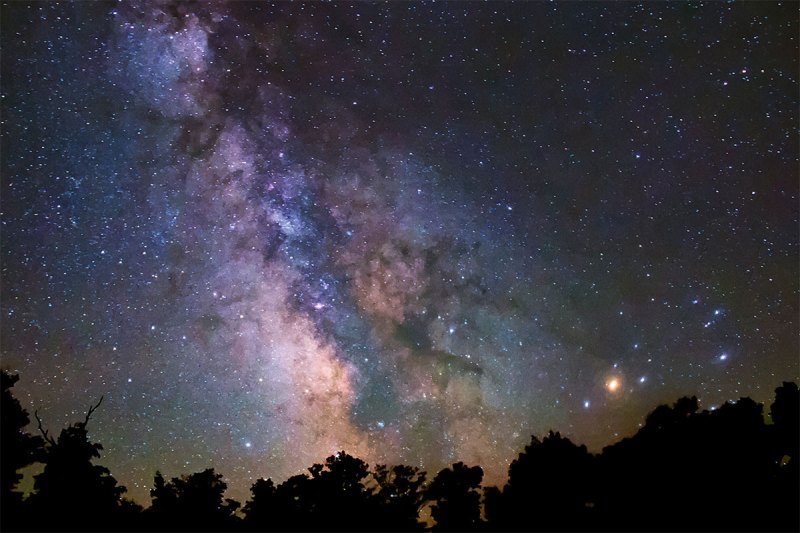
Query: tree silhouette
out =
(339, 495)
(260, 511)
(71, 492)
(192, 502)
(296, 500)
(399, 496)
(19, 449)
(732, 450)
(664, 417)
(549, 487)
(494, 509)
(343, 501)
(707, 470)
(643, 474)
(333, 498)
(456, 498)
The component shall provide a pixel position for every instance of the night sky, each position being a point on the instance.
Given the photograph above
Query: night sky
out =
(418, 232)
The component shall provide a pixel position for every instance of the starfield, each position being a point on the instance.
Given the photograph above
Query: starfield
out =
(337, 245)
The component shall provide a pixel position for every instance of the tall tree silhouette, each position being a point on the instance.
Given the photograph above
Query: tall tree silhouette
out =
(549, 487)
(456, 498)
(19, 449)
(192, 502)
(71, 492)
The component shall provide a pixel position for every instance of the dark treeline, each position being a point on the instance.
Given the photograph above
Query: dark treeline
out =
(685, 469)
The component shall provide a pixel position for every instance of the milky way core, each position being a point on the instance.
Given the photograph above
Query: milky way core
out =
(416, 232)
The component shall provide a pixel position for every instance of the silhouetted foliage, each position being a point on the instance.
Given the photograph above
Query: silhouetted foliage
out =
(494, 509)
(399, 496)
(333, 498)
(295, 497)
(342, 498)
(341, 494)
(260, 511)
(71, 493)
(456, 498)
(664, 417)
(192, 502)
(19, 449)
(549, 487)
(708, 469)
(685, 469)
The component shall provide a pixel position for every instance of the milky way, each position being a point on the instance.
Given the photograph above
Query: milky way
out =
(416, 232)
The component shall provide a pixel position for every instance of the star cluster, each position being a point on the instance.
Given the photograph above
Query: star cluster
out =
(418, 232)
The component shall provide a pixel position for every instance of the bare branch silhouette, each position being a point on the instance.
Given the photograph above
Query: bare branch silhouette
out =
(92, 410)
(43, 431)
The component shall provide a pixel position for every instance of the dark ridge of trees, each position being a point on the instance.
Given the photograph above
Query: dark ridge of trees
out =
(340, 495)
(684, 470)
(333, 498)
(716, 470)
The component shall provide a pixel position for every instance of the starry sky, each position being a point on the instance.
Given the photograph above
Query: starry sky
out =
(418, 232)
